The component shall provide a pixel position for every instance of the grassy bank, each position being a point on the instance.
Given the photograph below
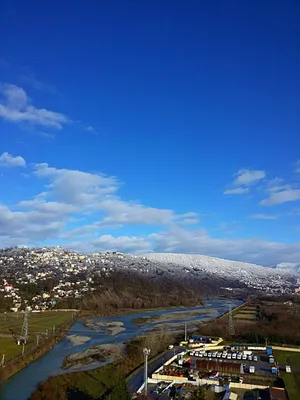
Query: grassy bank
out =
(41, 324)
(292, 381)
(100, 383)
(33, 352)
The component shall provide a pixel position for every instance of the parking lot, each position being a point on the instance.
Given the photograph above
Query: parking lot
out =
(253, 362)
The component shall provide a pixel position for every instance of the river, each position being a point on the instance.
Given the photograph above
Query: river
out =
(21, 385)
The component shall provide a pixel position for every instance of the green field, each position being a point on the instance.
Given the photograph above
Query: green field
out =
(100, 383)
(245, 314)
(292, 381)
(38, 323)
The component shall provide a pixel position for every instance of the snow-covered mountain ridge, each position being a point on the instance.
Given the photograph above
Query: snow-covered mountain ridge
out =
(293, 268)
(252, 275)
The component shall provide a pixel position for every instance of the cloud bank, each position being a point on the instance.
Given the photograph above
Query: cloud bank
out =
(84, 211)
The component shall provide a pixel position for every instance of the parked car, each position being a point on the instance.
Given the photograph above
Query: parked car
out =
(255, 358)
(224, 355)
(239, 356)
(228, 356)
(244, 357)
(234, 356)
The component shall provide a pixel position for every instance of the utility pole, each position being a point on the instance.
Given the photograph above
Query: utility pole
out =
(23, 349)
(25, 326)
(185, 332)
(2, 363)
(146, 355)
(47, 333)
(37, 340)
(231, 329)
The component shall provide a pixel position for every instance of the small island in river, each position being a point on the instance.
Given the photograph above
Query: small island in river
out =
(112, 327)
(94, 355)
(172, 316)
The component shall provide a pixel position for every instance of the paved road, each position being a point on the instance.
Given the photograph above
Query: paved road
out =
(283, 348)
(137, 380)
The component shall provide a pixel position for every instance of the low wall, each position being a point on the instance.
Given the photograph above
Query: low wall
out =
(235, 385)
(177, 379)
(293, 349)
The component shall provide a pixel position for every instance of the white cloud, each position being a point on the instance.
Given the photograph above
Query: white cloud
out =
(87, 203)
(16, 107)
(263, 216)
(19, 226)
(76, 187)
(245, 178)
(248, 177)
(121, 212)
(90, 129)
(48, 207)
(7, 160)
(281, 195)
(254, 250)
(126, 244)
(239, 190)
(179, 240)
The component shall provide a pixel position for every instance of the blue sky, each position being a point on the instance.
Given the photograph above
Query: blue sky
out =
(141, 126)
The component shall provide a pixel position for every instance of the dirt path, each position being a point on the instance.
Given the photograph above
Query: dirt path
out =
(283, 348)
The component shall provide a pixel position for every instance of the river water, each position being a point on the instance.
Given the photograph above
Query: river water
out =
(21, 385)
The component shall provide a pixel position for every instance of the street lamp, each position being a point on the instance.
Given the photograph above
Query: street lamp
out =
(146, 355)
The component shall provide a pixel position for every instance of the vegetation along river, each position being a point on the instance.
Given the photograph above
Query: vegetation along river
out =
(100, 331)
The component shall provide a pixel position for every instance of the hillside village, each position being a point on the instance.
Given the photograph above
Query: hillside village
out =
(42, 278)
(58, 273)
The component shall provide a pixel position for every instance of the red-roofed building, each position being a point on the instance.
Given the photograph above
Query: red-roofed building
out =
(8, 287)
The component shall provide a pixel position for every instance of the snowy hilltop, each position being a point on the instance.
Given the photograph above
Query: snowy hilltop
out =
(252, 275)
(293, 268)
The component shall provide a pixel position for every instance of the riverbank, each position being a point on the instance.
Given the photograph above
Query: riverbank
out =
(50, 365)
(18, 363)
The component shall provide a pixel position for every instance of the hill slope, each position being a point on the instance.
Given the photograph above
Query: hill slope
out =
(251, 275)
